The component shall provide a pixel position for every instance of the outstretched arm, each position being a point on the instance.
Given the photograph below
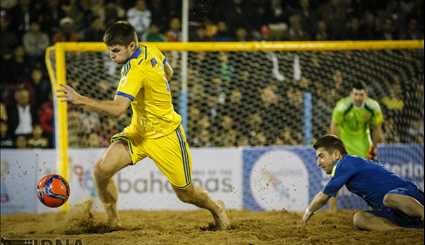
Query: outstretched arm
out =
(318, 201)
(114, 107)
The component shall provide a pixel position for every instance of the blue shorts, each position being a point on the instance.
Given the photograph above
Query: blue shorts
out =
(399, 217)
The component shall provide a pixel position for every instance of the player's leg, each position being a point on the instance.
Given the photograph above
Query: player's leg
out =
(115, 158)
(332, 202)
(405, 204)
(199, 197)
(196, 194)
(368, 221)
(172, 156)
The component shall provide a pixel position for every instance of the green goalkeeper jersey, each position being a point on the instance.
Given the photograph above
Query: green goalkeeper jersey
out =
(354, 124)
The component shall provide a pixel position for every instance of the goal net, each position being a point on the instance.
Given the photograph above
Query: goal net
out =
(260, 97)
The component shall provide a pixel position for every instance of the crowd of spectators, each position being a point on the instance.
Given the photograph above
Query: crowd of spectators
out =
(28, 27)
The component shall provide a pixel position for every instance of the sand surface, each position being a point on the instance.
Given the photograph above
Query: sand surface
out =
(192, 227)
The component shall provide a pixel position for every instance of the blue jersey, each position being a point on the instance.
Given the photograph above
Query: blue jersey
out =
(365, 178)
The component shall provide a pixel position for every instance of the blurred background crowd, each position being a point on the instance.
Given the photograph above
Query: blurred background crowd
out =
(28, 27)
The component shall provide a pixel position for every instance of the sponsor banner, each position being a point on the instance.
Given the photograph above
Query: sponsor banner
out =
(264, 178)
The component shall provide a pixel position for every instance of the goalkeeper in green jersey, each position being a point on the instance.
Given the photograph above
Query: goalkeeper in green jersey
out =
(357, 121)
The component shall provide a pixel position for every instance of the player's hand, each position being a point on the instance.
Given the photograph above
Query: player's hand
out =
(371, 155)
(66, 93)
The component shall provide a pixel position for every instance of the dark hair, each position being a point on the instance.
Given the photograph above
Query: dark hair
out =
(119, 33)
(358, 86)
(330, 142)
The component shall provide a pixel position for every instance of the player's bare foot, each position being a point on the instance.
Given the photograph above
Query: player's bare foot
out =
(222, 222)
(113, 221)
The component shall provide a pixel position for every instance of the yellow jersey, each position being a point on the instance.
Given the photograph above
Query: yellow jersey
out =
(144, 82)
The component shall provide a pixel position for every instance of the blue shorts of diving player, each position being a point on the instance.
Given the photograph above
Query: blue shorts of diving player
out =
(398, 217)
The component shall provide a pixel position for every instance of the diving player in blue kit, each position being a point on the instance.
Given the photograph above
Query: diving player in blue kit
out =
(395, 202)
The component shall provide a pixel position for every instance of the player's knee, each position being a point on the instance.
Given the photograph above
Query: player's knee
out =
(184, 195)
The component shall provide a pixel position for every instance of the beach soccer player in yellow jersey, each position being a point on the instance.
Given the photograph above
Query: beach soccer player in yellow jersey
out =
(154, 131)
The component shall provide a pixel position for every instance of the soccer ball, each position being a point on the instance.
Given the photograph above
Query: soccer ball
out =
(53, 190)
